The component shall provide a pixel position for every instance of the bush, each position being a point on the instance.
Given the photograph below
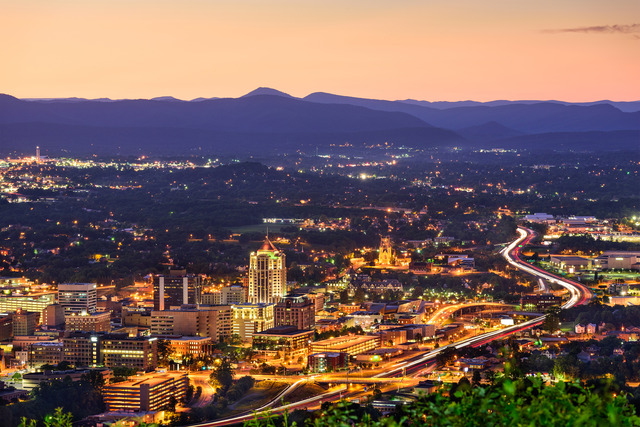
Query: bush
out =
(520, 402)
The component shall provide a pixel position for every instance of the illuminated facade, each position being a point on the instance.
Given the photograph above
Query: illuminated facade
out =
(267, 275)
(95, 322)
(215, 322)
(191, 346)
(353, 345)
(287, 339)
(32, 302)
(150, 392)
(24, 323)
(385, 254)
(295, 311)
(110, 350)
(78, 297)
(249, 319)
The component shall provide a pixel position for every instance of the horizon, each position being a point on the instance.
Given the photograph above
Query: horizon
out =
(302, 97)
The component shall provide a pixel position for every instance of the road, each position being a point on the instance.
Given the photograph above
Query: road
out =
(443, 313)
(202, 380)
(579, 294)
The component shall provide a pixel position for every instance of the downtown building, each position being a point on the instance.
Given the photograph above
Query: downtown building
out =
(295, 311)
(78, 298)
(267, 275)
(149, 392)
(34, 302)
(110, 350)
(176, 289)
(249, 319)
(214, 321)
(94, 322)
(227, 295)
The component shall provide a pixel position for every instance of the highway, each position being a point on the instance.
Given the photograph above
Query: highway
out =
(443, 313)
(579, 294)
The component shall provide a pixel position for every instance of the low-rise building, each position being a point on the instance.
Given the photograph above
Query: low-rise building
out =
(539, 303)
(132, 317)
(569, 263)
(34, 379)
(227, 295)
(283, 338)
(111, 350)
(33, 302)
(347, 344)
(88, 322)
(191, 346)
(148, 392)
(44, 353)
(327, 362)
(623, 260)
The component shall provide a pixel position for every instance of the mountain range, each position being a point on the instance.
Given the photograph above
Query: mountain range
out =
(269, 121)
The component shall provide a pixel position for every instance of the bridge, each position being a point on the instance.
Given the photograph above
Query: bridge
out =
(453, 310)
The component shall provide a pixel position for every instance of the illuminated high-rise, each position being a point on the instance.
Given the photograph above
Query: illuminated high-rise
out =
(78, 298)
(267, 275)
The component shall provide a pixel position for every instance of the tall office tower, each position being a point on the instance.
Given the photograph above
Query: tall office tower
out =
(267, 275)
(176, 289)
(78, 298)
(37, 154)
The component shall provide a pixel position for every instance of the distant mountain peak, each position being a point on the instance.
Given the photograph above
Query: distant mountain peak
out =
(165, 98)
(267, 91)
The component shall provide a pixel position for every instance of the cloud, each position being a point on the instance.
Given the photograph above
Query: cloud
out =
(601, 29)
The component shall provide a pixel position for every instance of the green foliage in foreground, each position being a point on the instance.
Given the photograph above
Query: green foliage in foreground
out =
(521, 402)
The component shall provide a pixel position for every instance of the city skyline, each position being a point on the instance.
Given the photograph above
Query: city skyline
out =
(571, 51)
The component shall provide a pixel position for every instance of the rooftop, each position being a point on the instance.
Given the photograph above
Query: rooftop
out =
(284, 330)
(153, 378)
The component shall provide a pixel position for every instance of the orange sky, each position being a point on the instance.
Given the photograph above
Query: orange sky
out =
(389, 49)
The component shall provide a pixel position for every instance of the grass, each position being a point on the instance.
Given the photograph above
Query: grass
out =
(304, 392)
(259, 395)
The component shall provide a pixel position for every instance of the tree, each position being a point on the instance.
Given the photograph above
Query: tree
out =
(94, 378)
(476, 379)
(222, 375)
(171, 406)
(565, 368)
(552, 320)
(164, 352)
(57, 419)
(446, 356)
(344, 296)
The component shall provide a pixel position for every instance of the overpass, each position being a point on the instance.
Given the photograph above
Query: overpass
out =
(445, 312)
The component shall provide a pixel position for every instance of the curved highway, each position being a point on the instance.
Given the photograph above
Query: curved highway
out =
(580, 294)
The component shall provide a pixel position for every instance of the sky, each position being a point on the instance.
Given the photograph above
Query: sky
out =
(435, 50)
